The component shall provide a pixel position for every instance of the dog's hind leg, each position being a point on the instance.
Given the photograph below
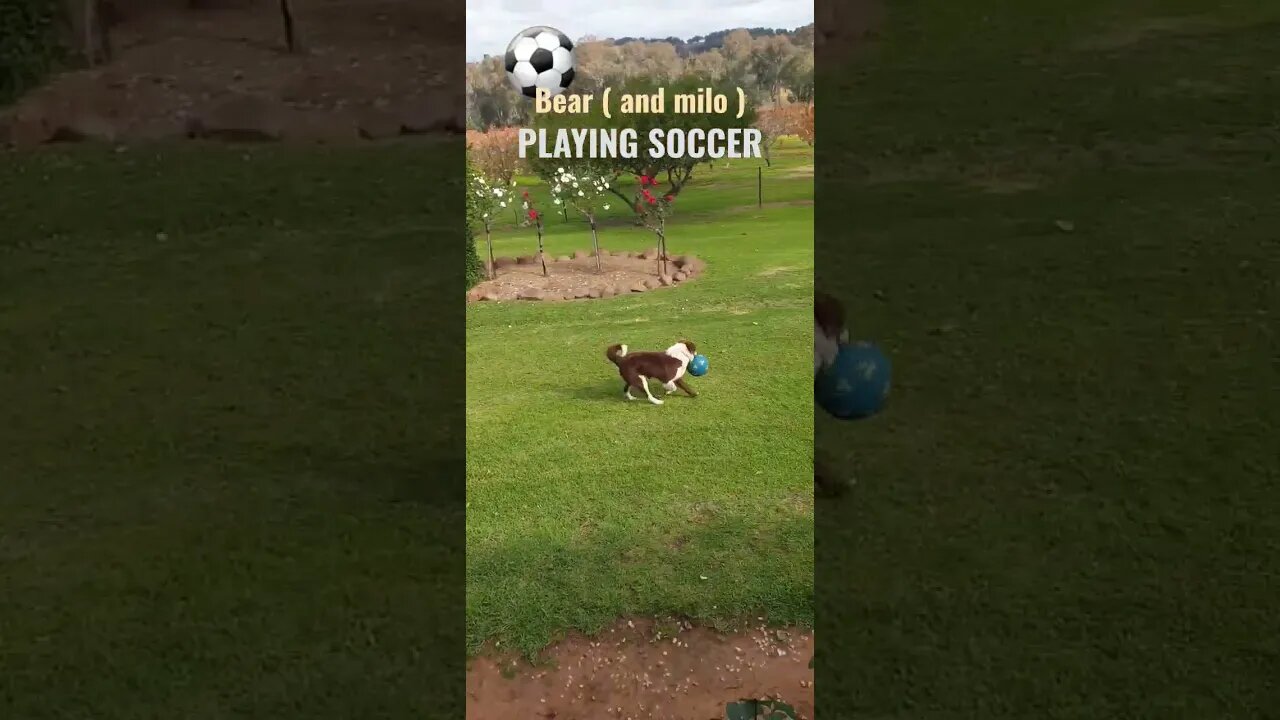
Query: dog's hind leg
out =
(670, 386)
(644, 383)
(685, 387)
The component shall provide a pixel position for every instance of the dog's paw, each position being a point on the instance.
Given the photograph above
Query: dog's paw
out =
(656, 401)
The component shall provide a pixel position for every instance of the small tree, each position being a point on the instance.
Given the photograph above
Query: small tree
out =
(472, 259)
(585, 193)
(487, 198)
(535, 217)
(653, 211)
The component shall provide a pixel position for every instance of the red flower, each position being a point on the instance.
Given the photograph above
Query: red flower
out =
(652, 200)
(670, 198)
(533, 214)
(525, 193)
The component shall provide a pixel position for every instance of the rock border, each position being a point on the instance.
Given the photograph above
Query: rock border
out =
(686, 268)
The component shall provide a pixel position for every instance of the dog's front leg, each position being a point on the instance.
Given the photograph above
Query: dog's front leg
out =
(685, 387)
(669, 386)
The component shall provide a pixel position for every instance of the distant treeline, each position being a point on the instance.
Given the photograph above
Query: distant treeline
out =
(775, 67)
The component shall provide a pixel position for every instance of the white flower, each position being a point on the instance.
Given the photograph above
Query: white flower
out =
(503, 204)
(606, 207)
(581, 194)
(560, 170)
(497, 192)
(556, 201)
(526, 205)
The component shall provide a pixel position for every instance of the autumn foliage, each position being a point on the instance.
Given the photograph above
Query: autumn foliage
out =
(794, 119)
(495, 153)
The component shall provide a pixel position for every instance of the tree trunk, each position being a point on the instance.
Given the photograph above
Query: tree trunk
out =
(542, 256)
(488, 238)
(662, 246)
(595, 242)
(286, 15)
(91, 19)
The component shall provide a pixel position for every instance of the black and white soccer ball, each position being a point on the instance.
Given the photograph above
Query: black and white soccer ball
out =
(540, 57)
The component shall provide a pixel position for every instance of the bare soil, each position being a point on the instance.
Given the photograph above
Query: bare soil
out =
(578, 278)
(646, 669)
(365, 70)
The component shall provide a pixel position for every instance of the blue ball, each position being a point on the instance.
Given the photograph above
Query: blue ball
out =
(856, 385)
(698, 366)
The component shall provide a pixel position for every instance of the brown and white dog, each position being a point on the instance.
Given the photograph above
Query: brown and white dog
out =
(667, 367)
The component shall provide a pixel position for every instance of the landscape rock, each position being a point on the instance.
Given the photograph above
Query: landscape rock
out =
(240, 118)
(81, 129)
(666, 280)
(651, 284)
(679, 277)
(531, 294)
(650, 254)
(595, 293)
(640, 286)
(439, 111)
(377, 124)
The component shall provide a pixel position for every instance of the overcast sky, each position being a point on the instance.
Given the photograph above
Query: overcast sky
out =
(492, 23)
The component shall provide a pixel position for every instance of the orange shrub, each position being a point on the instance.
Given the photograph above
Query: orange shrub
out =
(794, 119)
(495, 153)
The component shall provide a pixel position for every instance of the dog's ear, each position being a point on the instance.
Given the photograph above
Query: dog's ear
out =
(828, 314)
(693, 349)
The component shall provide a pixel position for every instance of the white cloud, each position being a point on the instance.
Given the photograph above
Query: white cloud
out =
(492, 23)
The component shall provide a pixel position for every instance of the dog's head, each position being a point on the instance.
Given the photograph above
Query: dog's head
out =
(690, 347)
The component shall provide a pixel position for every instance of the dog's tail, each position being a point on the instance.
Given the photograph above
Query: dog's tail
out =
(615, 352)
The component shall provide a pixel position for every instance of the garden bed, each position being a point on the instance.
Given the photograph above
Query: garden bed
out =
(577, 277)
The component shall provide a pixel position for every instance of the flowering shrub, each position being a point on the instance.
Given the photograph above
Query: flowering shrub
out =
(485, 198)
(653, 209)
(586, 194)
(535, 218)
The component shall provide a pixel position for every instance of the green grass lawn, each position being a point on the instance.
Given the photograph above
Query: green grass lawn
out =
(1068, 510)
(224, 484)
(583, 507)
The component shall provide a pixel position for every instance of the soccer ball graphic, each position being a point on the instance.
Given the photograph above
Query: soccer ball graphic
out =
(540, 57)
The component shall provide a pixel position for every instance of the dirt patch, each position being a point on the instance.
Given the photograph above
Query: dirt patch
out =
(365, 70)
(576, 277)
(770, 272)
(647, 669)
